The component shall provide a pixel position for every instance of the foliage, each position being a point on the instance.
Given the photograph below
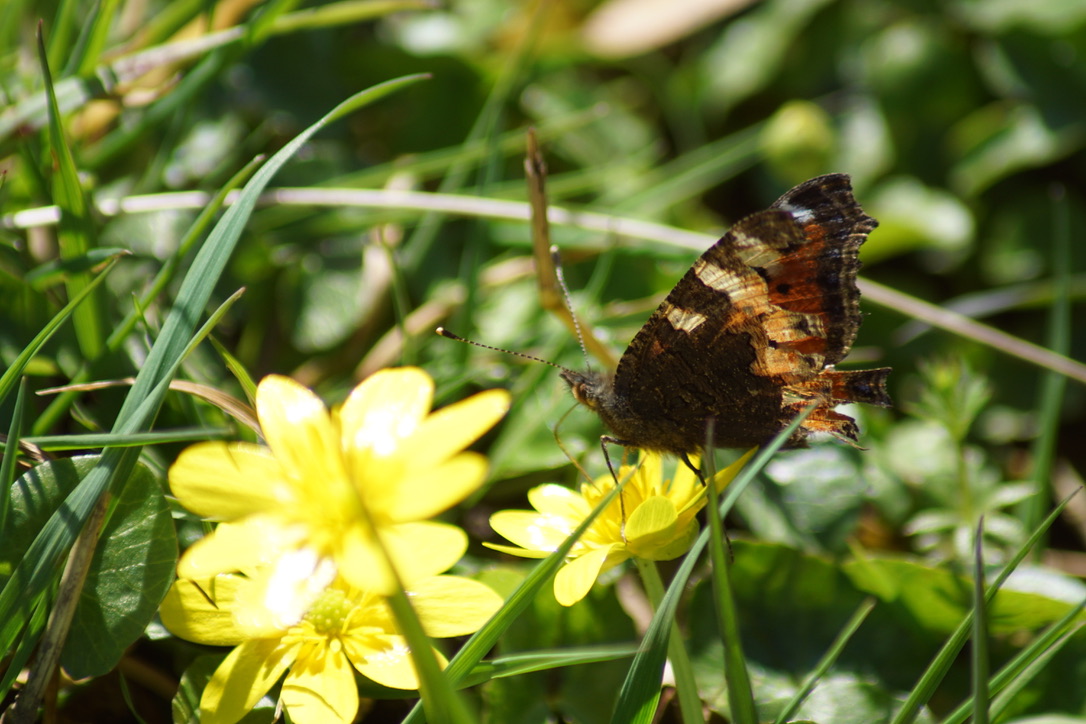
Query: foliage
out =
(158, 158)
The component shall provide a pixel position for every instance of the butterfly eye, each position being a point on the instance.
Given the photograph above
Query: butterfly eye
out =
(583, 394)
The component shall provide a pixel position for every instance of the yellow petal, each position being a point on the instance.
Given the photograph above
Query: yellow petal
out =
(223, 481)
(247, 673)
(424, 549)
(452, 606)
(240, 546)
(575, 579)
(418, 550)
(321, 689)
(387, 407)
(684, 485)
(391, 667)
(532, 530)
(300, 432)
(558, 500)
(429, 491)
(649, 474)
(514, 551)
(201, 612)
(456, 426)
(362, 563)
(651, 524)
(722, 479)
(727, 475)
(277, 596)
(679, 543)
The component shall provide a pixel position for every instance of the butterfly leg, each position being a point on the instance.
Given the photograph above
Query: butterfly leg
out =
(696, 471)
(604, 440)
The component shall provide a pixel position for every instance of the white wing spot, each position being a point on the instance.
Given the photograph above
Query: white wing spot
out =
(799, 213)
(713, 276)
(684, 320)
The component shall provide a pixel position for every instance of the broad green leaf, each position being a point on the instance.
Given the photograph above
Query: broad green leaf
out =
(937, 599)
(133, 564)
(132, 569)
(34, 498)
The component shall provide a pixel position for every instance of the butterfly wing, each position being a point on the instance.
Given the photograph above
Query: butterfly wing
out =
(819, 276)
(744, 335)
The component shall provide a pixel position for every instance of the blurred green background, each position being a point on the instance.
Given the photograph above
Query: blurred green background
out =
(962, 124)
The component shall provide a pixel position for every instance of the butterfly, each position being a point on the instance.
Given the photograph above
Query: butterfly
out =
(750, 336)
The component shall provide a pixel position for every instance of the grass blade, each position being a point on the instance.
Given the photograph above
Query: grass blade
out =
(11, 447)
(75, 232)
(943, 660)
(48, 419)
(12, 373)
(827, 660)
(640, 693)
(1026, 664)
(980, 633)
(1043, 450)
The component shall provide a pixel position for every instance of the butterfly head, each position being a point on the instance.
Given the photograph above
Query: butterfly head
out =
(591, 389)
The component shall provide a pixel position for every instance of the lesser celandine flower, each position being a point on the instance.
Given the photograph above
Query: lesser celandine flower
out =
(655, 520)
(297, 617)
(342, 484)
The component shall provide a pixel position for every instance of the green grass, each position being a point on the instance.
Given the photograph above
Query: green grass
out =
(310, 191)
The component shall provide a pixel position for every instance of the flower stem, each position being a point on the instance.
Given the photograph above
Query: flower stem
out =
(683, 670)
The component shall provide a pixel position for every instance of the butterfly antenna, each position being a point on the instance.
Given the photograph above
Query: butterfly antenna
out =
(562, 446)
(561, 276)
(457, 338)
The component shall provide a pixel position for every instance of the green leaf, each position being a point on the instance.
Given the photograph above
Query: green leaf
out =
(186, 702)
(937, 599)
(132, 569)
(133, 564)
(915, 216)
(850, 699)
(827, 661)
(812, 500)
(1046, 17)
(792, 609)
(1020, 138)
(34, 498)
(752, 49)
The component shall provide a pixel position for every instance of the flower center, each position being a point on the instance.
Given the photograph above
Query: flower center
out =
(329, 612)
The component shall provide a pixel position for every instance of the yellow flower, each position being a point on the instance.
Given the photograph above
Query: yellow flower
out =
(655, 520)
(296, 617)
(343, 484)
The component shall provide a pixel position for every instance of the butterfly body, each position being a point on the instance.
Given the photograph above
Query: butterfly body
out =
(750, 335)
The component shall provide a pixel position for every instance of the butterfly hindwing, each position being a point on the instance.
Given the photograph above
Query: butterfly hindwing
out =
(750, 335)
